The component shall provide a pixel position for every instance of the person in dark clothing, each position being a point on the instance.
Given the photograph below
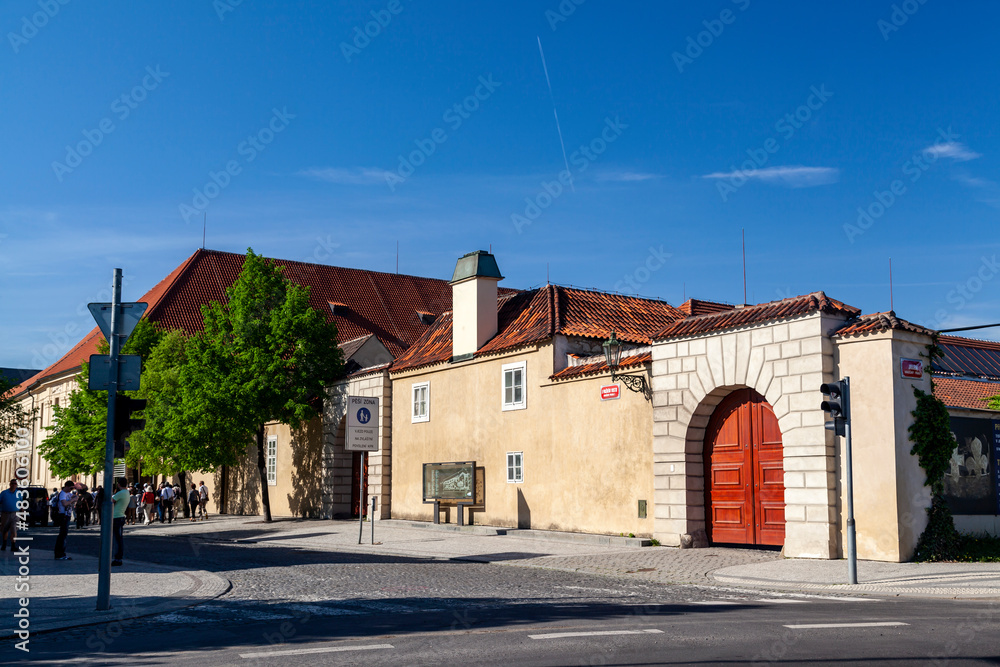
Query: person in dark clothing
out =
(98, 505)
(193, 499)
(63, 509)
(82, 508)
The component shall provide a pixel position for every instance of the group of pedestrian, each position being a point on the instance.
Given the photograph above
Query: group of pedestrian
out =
(158, 504)
(130, 504)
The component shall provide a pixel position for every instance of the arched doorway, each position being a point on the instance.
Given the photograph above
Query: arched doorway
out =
(744, 481)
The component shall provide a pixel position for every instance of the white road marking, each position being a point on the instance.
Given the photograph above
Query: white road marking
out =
(600, 633)
(325, 649)
(816, 626)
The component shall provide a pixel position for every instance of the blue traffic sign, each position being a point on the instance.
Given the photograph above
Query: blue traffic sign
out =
(364, 416)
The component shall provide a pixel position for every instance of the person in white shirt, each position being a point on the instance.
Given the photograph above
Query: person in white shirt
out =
(203, 500)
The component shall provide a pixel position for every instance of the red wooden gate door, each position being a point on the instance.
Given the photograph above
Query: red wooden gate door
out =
(745, 487)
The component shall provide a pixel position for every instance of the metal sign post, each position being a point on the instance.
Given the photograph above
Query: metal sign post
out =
(362, 436)
(104, 563)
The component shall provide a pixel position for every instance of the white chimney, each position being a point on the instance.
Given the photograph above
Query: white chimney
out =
(473, 303)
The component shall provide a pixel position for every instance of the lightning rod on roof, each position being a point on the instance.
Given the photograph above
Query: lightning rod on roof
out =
(890, 285)
(204, 227)
(743, 233)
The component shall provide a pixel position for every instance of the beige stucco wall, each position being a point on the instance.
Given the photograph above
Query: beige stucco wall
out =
(889, 493)
(784, 361)
(586, 462)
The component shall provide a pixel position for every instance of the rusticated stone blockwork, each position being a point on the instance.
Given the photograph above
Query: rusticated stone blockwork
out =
(338, 462)
(785, 362)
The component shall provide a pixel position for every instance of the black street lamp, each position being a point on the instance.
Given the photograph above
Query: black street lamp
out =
(613, 355)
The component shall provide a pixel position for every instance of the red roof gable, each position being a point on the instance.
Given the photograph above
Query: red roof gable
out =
(695, 307)
(537, 315)
(878, 322)
(383, 304)
(763, 312)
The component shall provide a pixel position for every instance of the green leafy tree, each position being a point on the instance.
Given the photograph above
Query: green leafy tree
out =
(13, 416)
(77, 437)
(265, 355)
(186, 429)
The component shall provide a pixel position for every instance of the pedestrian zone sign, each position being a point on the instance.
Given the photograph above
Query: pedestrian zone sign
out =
(362, 424)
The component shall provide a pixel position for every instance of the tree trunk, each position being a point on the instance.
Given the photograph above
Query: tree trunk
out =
(262, 467)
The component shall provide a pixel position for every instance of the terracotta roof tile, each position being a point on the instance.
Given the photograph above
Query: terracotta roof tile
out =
(764, 312)
(695, 307)
(878, 322)
(602, 367)
(537, 315)
(962, 393)
(383, 304)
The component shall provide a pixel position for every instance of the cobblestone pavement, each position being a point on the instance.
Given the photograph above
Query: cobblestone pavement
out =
(272, 581)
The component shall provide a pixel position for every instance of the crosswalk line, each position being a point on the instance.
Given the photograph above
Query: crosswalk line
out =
(595, 633)
(323, 649)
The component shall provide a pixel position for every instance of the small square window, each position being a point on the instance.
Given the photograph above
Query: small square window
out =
(421, 402)
(272, 460)
(513, 386)
(515, 467)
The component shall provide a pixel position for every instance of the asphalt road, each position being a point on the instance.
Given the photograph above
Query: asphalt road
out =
(296, 607)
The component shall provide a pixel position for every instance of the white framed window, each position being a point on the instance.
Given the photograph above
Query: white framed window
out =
(515, 467)
(421, 402)
(512, 387)
(272, 460)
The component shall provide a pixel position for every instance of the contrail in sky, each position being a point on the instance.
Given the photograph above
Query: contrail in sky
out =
(558, 128)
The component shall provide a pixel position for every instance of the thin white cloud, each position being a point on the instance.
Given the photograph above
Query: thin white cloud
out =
(988, 192)
(953, 150)
(625, 176)
(348, 176)
(794, 176)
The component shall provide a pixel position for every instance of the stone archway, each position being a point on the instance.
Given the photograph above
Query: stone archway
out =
(784, 362)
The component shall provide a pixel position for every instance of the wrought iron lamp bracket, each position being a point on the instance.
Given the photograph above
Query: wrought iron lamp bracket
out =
(636, 383)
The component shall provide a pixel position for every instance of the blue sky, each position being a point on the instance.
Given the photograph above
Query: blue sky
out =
(683, 124)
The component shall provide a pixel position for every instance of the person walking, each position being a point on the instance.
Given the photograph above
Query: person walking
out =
(82, 508)
(65, 507)
(120, 500)
(133, 503)
(194, 498)
(203, 500)
(8, 515)
(147, 503)
(167, 504)
(98, 504)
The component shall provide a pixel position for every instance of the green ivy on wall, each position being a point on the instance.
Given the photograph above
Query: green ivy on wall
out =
(933, 445)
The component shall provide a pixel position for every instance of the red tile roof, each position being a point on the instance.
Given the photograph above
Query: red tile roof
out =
(764, 312)
(627, 363)
(878, 322)
(383, 304)
(962, 393)
(537, 315)
(695, 307)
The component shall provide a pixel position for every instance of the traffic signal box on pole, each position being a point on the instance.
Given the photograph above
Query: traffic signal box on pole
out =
(837, 405)
(125, 424)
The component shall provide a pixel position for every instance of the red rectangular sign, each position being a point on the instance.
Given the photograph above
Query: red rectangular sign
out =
(911, 368)
(610, 392)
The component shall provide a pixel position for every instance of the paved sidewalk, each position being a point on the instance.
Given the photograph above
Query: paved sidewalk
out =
(63, 594)
(949, 580)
